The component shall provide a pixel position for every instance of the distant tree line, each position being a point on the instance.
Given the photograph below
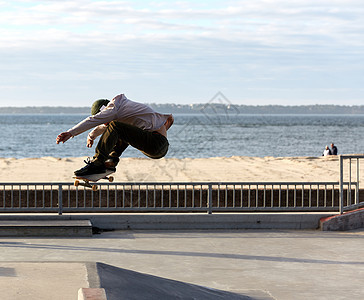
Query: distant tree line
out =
(207, 108)
(44, 110)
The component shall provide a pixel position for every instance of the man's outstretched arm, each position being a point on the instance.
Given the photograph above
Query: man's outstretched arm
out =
(63, 137)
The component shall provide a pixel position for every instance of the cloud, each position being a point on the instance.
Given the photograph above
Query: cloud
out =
(233, 44)
(255, 26)
(262, 20)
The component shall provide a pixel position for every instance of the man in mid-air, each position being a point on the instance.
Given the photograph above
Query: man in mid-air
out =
(121, 122)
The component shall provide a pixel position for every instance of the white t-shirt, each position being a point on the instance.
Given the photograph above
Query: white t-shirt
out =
(122, 110)
(326, 152)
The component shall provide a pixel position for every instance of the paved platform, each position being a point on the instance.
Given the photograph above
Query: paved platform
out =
(41, 280)
(259, 264)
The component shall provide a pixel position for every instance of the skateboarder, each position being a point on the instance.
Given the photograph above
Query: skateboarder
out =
(121, 122)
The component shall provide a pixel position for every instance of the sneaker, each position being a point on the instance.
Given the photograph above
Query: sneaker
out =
(111, 162)
(90, 169)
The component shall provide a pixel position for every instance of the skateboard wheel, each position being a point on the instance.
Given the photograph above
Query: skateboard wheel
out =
(111, 179)
(77, 183)
(94, 188)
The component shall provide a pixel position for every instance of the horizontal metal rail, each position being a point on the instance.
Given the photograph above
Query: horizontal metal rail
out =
(207, 197)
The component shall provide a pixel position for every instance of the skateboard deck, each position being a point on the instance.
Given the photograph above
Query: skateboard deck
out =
(93, 178)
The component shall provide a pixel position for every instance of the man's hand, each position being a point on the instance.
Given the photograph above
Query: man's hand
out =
(169, 122)
(90, 142)
(63, 137)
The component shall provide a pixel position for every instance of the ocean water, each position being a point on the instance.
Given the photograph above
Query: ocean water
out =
(196, 136)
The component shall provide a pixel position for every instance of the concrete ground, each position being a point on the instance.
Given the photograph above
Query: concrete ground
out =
(260, 264)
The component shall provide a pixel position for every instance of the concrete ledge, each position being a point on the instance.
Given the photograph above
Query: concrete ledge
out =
(91, 294)
(162, 221)
(28, 227)
(347, 221)
(213, 221)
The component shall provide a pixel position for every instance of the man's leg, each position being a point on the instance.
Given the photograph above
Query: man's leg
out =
(113, 158)
(151, 144)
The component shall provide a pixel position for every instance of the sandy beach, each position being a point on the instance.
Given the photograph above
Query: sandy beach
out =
(218, 169)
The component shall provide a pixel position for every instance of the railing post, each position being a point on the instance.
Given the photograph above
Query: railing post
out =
(348, 201)
(341, 182)
(357, 182)
(209, 195)
(60, 200)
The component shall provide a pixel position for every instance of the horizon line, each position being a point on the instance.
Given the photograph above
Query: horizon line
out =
(192, 104)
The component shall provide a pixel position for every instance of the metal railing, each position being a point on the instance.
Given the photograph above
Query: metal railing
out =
(177, 197)
(347, 175)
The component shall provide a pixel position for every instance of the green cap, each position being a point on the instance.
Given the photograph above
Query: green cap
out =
(96, 106)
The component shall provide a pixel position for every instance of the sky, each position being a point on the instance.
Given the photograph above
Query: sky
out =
(256, 52)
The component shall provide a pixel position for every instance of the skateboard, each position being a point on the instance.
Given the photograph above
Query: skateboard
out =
(93, 178)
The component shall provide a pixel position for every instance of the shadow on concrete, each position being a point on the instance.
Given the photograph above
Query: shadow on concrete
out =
(125, 284)
(180, 253)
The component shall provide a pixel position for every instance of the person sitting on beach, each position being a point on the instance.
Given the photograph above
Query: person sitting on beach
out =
(333, 149)
(121, 122)
(326, 151)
